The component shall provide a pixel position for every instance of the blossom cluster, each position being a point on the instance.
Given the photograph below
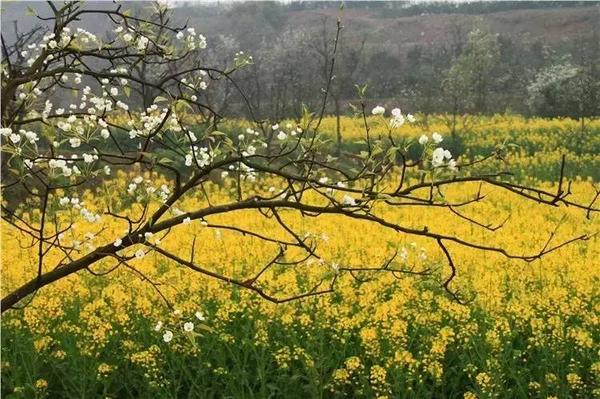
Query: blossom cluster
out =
(15, 137)
(439, 157)
(187, 327)
(397, 120)
(192, 40)
(51, 44)
(142, 188)
(151, 120)
(75, 203)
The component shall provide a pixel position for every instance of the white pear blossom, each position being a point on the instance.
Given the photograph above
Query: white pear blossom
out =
(57, 163)
(167, 336)
(142, 42)
(202, 42)
(437, 158)
(89, 158)
(437, 138)
(200, 316)
(122, 105)
(75, 142)
(403, 254)
(89, 216)
(15, 138)
(348, 200)
(118, 242)
(139, 254)
(281, 135)
(397, 121)
(452, 165)
(188, 327)
(378, 110)
(423, 139)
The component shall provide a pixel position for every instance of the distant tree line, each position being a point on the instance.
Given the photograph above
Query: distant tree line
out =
(393, 9)
(473, 71)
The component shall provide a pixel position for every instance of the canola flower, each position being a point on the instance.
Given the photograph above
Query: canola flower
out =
(531, 329)
(534, 146)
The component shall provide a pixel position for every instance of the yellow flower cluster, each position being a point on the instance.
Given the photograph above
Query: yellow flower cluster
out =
(105, 370)
(402, 324)
(493, 126)
(286, 355)
(148, 360)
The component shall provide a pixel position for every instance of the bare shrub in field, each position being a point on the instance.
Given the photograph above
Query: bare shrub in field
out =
(141, 105)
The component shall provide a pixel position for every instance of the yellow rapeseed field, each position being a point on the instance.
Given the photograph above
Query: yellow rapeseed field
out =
(388, 336)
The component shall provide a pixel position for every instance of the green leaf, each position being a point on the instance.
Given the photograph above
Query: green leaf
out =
(184, 104)
(377, 151)
(149, 155)
(205, 327)
(160, 99)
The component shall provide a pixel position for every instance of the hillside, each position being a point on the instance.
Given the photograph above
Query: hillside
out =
(551, 26)
(548, 25)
